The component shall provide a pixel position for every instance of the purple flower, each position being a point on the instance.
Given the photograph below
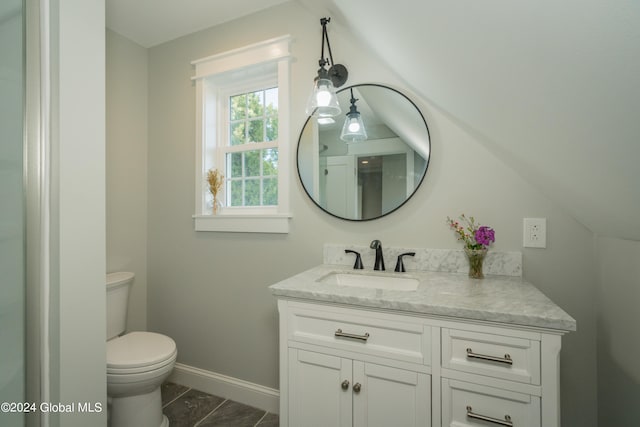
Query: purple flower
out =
(485, 235)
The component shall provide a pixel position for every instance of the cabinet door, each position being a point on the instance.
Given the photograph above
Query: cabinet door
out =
(384, 396)
(317, 397)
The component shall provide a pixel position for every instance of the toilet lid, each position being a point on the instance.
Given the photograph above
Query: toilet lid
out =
(137, 349)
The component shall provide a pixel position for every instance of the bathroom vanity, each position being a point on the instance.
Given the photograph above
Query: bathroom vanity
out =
(422, 348)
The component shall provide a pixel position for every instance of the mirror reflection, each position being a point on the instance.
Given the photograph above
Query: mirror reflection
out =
(363, 179)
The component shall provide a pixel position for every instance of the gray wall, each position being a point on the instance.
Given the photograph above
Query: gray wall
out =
(209, 290)
(618, 332)
(126, 153)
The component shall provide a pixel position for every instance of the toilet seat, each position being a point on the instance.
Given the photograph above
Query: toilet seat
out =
(138, 352)
(115, 371)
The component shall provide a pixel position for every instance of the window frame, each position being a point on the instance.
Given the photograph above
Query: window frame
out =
(215, 79)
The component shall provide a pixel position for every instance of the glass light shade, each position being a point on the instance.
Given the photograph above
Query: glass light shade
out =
(323, 100)
(353, 129)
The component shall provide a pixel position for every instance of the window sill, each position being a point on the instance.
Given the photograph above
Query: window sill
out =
(277, 223)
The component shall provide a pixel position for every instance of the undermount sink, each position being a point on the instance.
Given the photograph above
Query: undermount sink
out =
(371, 281)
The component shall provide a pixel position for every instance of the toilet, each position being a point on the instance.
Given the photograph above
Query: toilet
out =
(137, 363)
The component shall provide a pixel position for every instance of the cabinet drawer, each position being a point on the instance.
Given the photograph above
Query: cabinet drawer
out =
(466, 404)
(498, 356)
(377, 334)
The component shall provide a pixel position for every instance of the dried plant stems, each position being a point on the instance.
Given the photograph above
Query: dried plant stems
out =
(215, 180)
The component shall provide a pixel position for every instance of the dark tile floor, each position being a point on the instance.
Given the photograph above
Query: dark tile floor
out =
(186, 407)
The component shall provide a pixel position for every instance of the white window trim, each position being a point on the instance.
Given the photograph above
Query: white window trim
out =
(258, 220)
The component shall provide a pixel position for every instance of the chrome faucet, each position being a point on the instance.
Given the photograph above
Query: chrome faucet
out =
(379, 264)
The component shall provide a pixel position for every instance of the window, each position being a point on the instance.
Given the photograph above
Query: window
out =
(251, 157)
(243, 132)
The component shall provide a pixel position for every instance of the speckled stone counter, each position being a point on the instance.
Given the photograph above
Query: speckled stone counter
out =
(503, 299)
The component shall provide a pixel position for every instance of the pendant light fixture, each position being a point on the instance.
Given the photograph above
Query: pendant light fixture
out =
(353, 129)
(323, 101)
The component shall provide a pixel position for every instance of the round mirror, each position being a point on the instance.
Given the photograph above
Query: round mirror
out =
(362, 175)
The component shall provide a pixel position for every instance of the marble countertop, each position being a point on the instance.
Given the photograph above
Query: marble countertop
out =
(500, 299)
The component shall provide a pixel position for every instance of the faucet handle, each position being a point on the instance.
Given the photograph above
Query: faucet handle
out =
(400, 265)
(358, 263)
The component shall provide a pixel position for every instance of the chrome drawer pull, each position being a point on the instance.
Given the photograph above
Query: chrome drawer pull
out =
(507, 419)
(364, 337)
(506, 359)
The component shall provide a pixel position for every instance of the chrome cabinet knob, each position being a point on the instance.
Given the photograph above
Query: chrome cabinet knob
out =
(345, 384)
(357, 387)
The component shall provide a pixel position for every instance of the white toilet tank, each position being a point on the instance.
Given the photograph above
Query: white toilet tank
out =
(118, 286)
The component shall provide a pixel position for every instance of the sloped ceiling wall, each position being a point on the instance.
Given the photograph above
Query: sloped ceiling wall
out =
(552, 88)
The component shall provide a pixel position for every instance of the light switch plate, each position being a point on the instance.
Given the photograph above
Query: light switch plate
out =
(535, 233)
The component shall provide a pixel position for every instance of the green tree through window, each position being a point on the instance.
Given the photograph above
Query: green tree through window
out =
(252, 174)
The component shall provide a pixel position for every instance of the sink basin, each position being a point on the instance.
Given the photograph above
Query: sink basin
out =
(371, 281)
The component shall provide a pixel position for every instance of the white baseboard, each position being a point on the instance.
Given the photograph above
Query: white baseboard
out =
(251, 394)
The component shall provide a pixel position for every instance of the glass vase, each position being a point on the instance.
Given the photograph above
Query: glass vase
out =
(217, 206)
(476, 259)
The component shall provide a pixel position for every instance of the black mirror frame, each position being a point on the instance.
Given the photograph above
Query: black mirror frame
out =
(426, 168)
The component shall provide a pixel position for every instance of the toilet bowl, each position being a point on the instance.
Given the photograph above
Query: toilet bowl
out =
(137, 363)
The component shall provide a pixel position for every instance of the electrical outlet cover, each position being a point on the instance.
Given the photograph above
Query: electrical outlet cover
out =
(534, 233)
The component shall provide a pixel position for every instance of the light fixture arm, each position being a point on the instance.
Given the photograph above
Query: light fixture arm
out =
(325, 37)
(337, 72)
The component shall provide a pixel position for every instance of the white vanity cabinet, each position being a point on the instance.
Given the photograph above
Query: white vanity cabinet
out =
(345, 367)
(355, 366)
(453, 352)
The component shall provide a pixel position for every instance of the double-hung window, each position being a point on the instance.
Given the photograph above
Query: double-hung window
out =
(242, 131)
(250, 156)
